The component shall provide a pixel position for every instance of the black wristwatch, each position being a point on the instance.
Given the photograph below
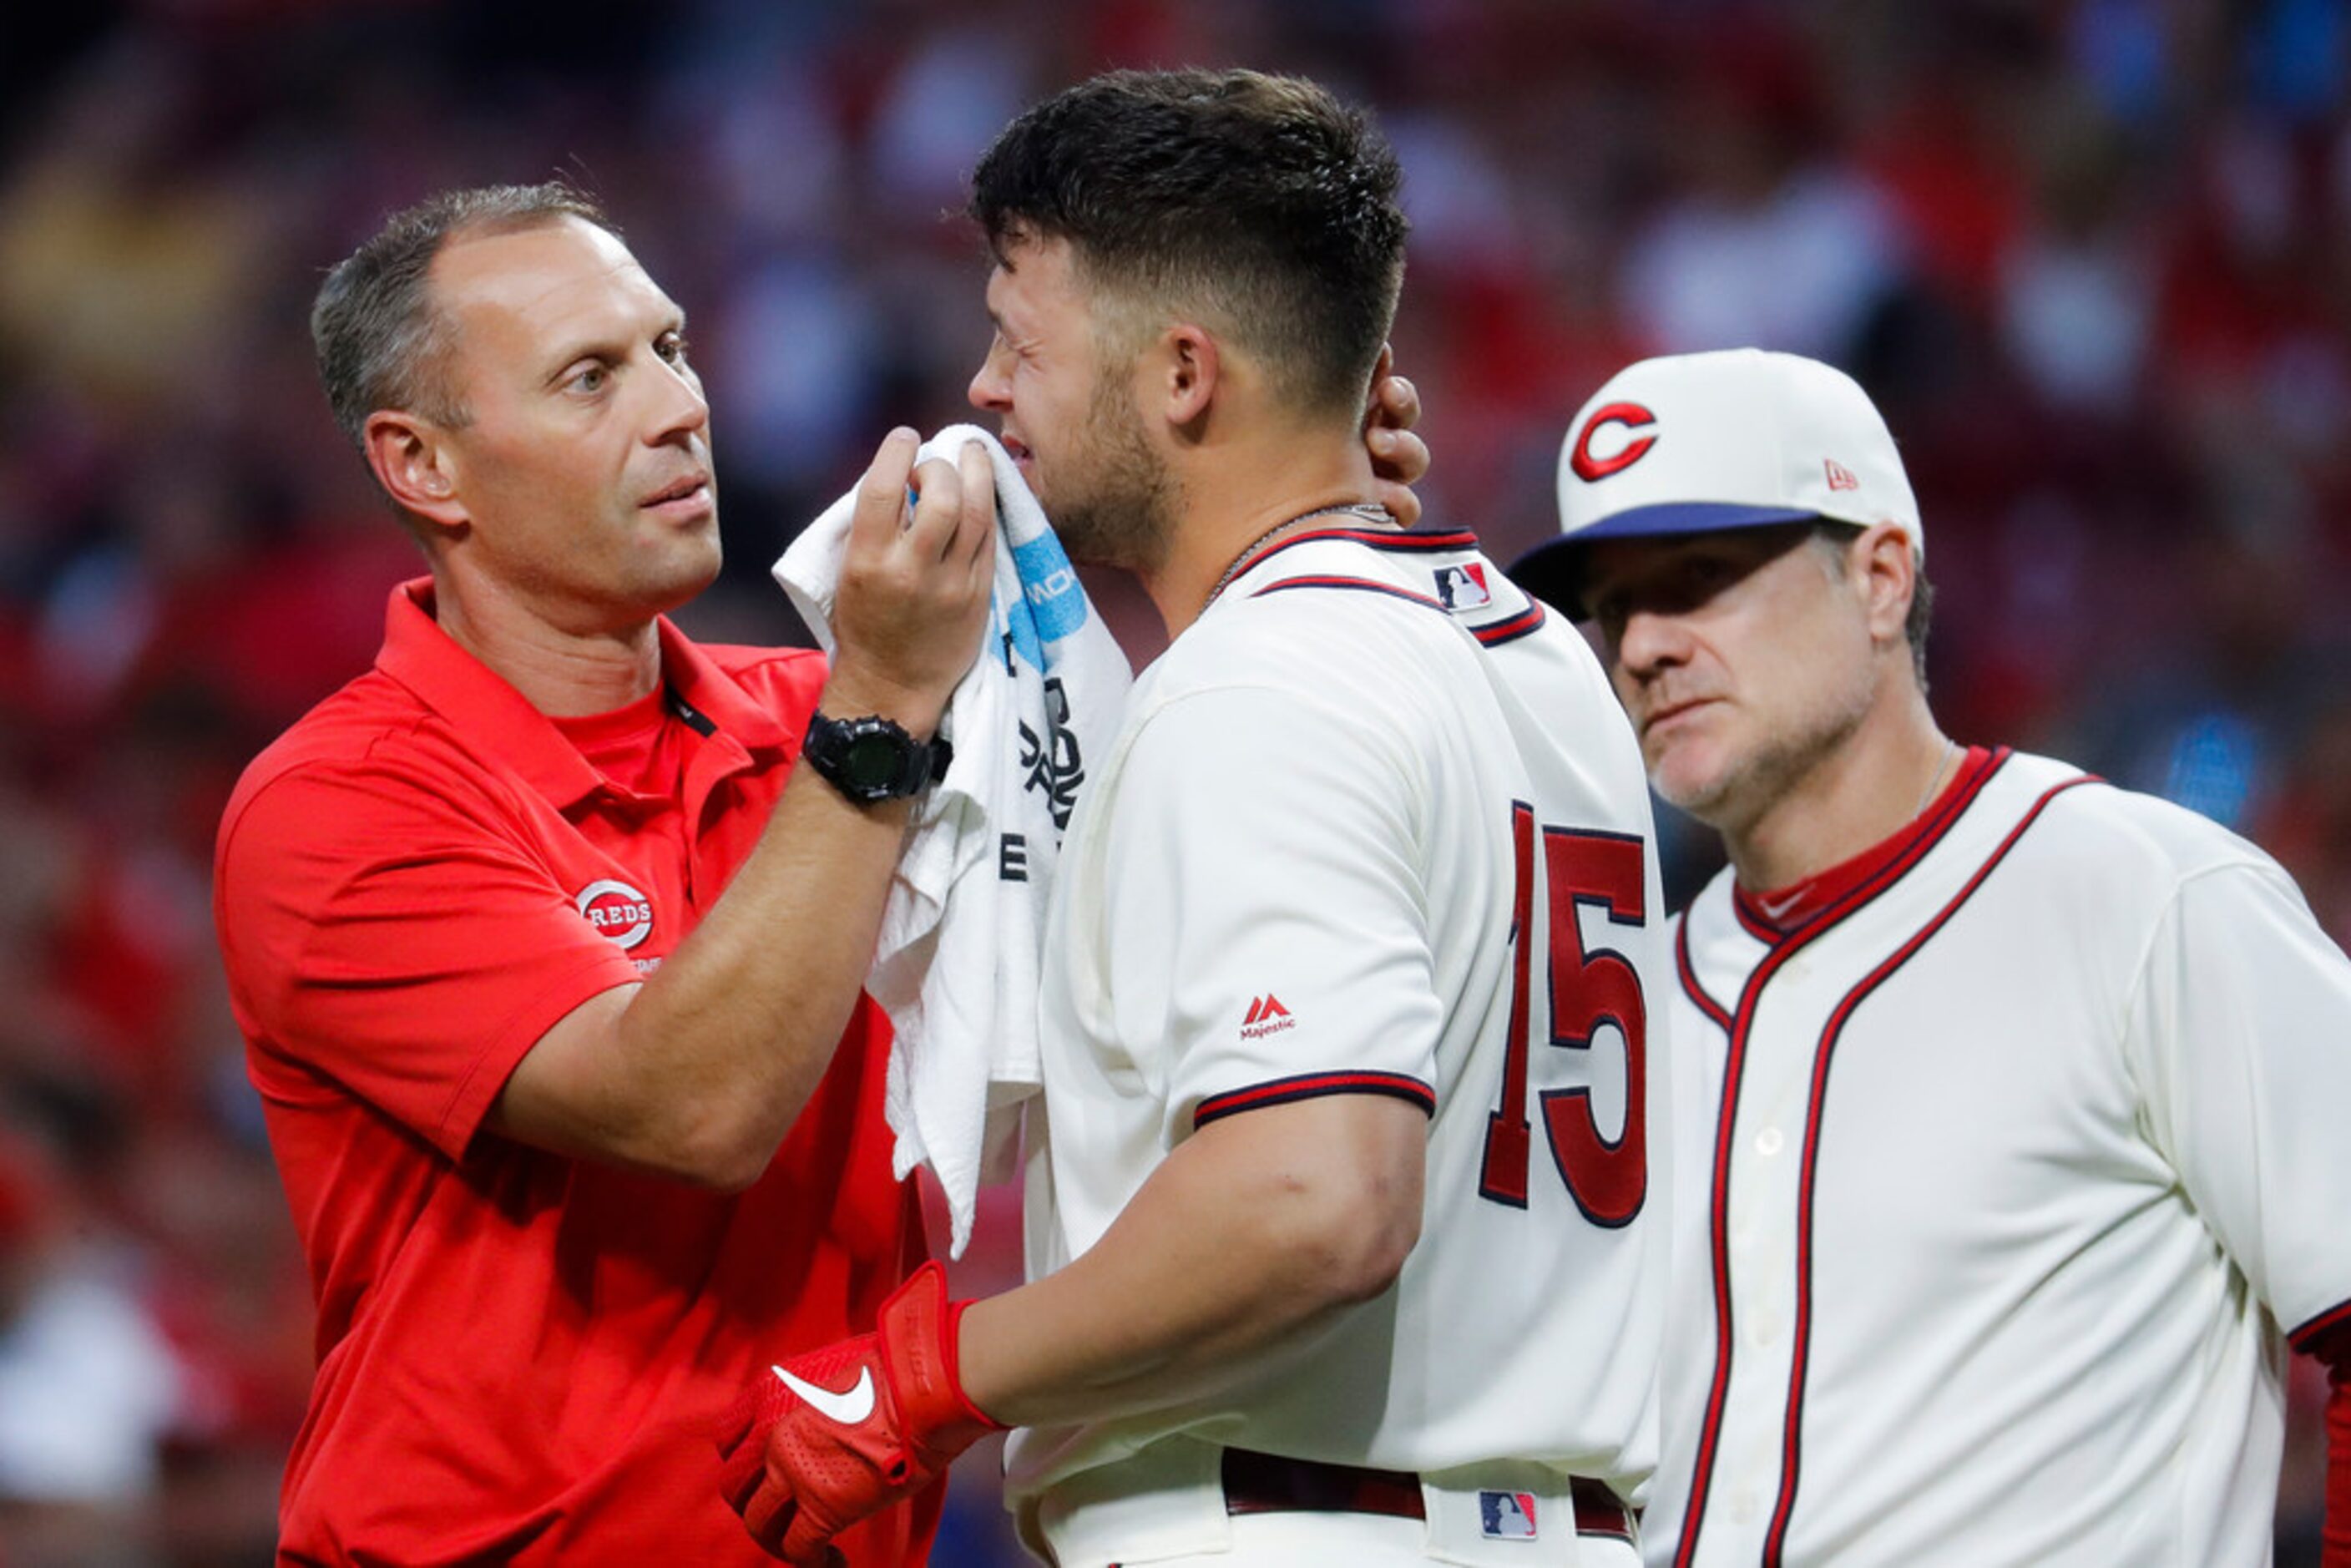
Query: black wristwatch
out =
(873, 759)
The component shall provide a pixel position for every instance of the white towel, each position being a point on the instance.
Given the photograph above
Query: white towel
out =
(956, 965)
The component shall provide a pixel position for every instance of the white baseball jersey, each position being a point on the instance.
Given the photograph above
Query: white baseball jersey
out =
(2008, 1164)
(1374, 824)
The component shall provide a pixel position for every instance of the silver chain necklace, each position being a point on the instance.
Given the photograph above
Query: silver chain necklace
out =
(1370, 511)
(1942, 764)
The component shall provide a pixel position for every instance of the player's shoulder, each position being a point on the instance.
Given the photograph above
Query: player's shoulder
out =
(1346, 597)
(365, 763)
(360, 722)
(1308, 634)
(2101, 825)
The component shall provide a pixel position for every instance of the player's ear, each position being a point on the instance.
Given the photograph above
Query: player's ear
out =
(1188, 365)
(413, 462)
(1885, 565)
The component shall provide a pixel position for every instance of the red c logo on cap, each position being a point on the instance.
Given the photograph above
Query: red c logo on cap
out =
(1631, 416)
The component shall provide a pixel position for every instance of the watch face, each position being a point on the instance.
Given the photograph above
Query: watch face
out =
(873, 761)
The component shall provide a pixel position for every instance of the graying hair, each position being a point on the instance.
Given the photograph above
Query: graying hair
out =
(381, 340)
(1835, 539)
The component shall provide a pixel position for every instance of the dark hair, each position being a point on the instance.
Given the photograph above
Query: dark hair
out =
(1259, 198)
(1837, 538)
(381, 343)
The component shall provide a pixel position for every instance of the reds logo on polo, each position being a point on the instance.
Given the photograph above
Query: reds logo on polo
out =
(617, 910)
(1633, 417)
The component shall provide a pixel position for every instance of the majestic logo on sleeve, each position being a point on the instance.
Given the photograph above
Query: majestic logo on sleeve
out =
(617, 910)
(1266, 1016)
(1590, 466)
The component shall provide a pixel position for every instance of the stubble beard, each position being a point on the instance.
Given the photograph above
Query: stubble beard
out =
(1742, 793)
(1116, 502)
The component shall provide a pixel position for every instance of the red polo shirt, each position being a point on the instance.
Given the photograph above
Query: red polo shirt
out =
(521, 1356)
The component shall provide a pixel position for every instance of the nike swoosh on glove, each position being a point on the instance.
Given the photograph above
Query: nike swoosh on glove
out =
(834, 1437)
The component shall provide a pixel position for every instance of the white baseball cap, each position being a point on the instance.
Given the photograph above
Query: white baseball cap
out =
(1732, 439)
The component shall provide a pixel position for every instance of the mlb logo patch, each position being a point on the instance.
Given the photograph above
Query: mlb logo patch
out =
(1506, 1515)
(1463, 586)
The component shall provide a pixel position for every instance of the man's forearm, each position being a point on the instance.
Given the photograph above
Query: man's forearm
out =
(1251, 1237)
(700, 1070)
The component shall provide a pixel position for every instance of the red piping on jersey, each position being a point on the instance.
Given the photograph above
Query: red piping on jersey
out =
(1414, 543)
(1691, 987)
(1508, 631)
(1751, 922)
(1790, 1445)
(1378, 539)
(1367, 585)
(1493, 636)
(1771, 914)
(1931, 832)
(1308, 1085)
(2301, 1338)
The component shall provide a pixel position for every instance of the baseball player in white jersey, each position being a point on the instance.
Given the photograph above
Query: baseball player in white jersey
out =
(2013, 1101)
(1346, 1245)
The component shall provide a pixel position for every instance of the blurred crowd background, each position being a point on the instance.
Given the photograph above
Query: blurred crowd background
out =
(2092, 258)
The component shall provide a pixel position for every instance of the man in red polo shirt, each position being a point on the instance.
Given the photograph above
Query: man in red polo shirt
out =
(546, 955)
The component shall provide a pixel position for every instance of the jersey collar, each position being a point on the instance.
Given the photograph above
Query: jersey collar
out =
(1773, 914)
(495, 718)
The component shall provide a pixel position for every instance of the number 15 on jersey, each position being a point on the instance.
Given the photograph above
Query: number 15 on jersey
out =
(1585, 990)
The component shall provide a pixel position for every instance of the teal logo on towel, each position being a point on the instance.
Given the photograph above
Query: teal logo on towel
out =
(1056, 601)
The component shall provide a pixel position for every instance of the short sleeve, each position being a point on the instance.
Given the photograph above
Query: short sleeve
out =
(2241, 1023)
(1267, 922)
(384, 936)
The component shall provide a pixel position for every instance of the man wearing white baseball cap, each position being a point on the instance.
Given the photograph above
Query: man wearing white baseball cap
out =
(2016, 1097)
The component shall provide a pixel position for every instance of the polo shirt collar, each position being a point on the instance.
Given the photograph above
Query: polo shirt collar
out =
(501, 721)
(696, 679)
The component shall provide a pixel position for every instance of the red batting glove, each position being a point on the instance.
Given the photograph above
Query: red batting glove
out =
(836, 1436)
